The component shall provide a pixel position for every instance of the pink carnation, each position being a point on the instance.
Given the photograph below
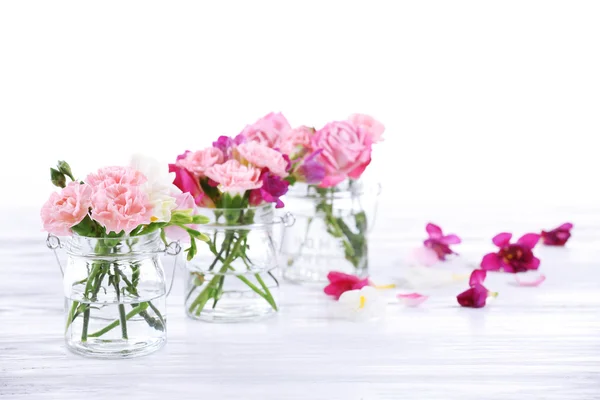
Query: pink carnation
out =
(121, 207)
(234, 177)
(346, 151)
(294, 141)
(108, 176)
(199, 161)
(262, 156)
(267, 129)
(66, 209)
(370, 125)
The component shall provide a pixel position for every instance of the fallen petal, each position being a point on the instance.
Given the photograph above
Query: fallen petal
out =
(425, 255)
(491, 262)
(477, 277)
(567, 226)
(530, 283)
(412, 299)
(450, 239)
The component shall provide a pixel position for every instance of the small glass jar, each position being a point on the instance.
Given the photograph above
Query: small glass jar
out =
(115, 295)
(331, 231)
(235, 279)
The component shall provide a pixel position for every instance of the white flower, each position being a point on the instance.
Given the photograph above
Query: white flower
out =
(159, 187)
(362, 304)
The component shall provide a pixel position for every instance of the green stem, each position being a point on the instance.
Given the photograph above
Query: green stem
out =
(202, 298)
(71, 314)
(86, 322)
(141, 307)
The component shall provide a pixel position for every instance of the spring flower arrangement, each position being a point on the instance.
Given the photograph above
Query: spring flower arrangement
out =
(328, 160)
(231, 179)
(116, 205)
(514, 258)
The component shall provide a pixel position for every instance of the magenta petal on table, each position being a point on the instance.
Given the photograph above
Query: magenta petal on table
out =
(530, 282)
(534, 263)
(502, 239)
(450, 239)
(477, 277)
(529, 240)
(491, 262)
(434, 231)
(412, 299)
(567, 226)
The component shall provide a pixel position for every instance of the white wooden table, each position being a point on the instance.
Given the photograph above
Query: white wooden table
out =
(530, 343)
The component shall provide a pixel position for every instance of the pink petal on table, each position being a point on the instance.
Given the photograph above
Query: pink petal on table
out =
(412, 299)
(425, 256)
(531, 283)
(450, 239)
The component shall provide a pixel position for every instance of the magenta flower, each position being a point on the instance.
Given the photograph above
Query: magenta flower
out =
(186, 181)
(557, 236)
(272, 189)
(512, 257)
(476, 296)
(440, 243)
(341, 283)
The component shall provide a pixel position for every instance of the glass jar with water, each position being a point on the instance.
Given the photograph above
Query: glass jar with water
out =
(115, 294)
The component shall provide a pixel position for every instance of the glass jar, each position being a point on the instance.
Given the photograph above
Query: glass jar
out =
(237, 278)
(115, 294)
(331, 231)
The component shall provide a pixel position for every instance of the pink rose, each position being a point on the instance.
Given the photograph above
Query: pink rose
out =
(234, 177)
(267, 129)
(294, 141)
(373, 127)
(262, 156)
(108, 176)
(66, 209)
(346, 151)
(199, 161)
(121, 208)
(185, 201)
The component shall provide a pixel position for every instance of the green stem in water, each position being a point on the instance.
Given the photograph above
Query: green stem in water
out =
(141, 307)
(200, 301)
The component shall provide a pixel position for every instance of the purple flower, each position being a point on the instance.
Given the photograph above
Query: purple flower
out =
(273, 188)
(224, 143)
(439, 242)
(311, 171)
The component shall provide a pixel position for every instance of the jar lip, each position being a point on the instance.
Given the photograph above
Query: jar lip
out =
(266, 206)
(342, 190)
(149, 235)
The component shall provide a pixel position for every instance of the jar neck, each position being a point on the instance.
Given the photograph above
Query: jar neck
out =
(126, 245)
(238, 216)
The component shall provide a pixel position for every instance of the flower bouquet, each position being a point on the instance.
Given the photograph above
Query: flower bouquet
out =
(116, 222)
(235, 183)
(331, 205)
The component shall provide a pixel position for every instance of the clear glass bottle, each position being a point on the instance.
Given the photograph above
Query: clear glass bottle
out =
(236, 279)
(115, 295)
(331, 231)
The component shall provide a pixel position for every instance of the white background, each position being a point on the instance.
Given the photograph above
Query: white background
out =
(485, 103)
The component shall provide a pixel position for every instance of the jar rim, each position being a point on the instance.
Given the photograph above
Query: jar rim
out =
(265, 206)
